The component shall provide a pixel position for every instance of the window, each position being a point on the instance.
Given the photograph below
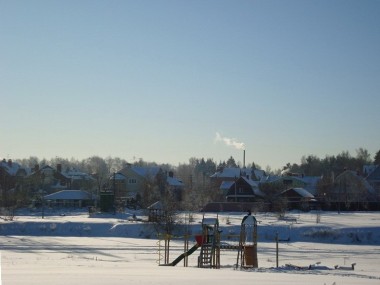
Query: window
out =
(132, 181)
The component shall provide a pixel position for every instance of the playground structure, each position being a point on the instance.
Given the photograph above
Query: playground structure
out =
(209, 242)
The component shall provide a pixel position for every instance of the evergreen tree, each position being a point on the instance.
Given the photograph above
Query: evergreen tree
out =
(377, 158)
(231, 162)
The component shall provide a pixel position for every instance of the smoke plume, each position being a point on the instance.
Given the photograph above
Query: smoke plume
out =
(229, 141)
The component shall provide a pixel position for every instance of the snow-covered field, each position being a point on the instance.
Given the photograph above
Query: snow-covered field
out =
(69, 247)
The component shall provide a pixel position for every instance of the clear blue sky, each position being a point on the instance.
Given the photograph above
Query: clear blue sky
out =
(159, 79)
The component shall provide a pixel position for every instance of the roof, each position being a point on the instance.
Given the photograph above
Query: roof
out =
(300, 191)
(280, 178)
(156, 206)
(119, 176)
(77, 175)
(375, 174)
(69, 195)
(311, 183)
(10, 167)
(235, 172)
(368, 169)
(209, 221)
(146, 171)
(172, 181)
(226, 185)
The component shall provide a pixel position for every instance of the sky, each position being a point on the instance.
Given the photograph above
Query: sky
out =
(169, 80)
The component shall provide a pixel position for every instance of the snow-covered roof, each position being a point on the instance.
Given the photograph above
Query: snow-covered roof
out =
(156, 206)
(302, 192)
(227, 172)
(251, 182)
(172, 181)
(11, 167)
(311, 183)
(249, 220)
(146, 171)
(235, 172)
(77, 175)
(69, 195)
(225, 185)
(119, 176)
(375, 174)
(368, 169)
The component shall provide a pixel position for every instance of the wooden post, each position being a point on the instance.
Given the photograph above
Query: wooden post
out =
(277, 249)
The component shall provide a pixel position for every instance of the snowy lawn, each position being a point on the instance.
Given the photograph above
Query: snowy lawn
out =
(107, 249)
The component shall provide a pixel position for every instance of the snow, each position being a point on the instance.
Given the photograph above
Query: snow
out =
(71, 247)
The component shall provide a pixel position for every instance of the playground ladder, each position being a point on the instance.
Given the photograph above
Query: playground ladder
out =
(210, 249)
(206, 256)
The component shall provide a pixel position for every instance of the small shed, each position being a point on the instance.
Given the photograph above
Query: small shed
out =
(156, 212)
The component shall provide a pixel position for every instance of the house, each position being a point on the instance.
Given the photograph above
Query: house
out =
(46, 179)
(70, 198)
(225, 177)
(10, 173)
(135, 181)
(298, 198)
(78, 179)
(242, 189)
(12, 177)
(51, 180)
(351, 191)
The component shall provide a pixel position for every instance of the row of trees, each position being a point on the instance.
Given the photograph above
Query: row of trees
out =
(312, 165)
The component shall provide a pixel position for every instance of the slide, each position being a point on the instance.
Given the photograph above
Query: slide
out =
(182, 256)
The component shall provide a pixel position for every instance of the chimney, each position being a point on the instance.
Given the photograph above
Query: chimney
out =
(10, 163)
(243, 158)
(59, 167)
(171, 174)
(36, 168)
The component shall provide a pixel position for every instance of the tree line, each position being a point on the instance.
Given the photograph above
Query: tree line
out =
(310, 165)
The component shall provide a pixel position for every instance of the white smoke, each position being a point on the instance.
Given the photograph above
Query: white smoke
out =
(229, 141)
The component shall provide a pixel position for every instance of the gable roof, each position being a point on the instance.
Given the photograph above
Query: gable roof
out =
(226, 185)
